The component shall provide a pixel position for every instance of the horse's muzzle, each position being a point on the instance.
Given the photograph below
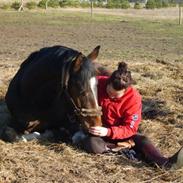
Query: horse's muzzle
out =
(90, 112)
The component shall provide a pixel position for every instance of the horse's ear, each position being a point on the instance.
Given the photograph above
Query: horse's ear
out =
(94, 54)
(78, 62)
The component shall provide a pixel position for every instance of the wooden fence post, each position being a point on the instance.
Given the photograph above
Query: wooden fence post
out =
(180, 14)
(91, 6)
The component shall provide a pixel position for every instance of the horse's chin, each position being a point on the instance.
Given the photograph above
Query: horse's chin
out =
(86, 124)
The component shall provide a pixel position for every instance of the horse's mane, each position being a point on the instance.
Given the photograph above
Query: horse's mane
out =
(60, 55)
(86, 71)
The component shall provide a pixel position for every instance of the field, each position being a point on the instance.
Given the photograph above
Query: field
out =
(153, 49)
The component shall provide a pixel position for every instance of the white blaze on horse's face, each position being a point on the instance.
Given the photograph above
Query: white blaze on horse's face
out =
(93, 85)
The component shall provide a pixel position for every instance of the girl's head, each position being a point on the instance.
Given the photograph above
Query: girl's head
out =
(119, 81)
(121, 78)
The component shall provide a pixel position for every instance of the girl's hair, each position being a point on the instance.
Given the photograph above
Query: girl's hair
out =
(121, 78)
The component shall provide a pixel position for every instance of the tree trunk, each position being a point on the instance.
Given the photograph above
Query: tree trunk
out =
(46, 5)
(21, 8)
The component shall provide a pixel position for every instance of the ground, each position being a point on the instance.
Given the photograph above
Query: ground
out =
(152, 47)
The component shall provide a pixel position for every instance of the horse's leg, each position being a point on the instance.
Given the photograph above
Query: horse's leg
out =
(9, 134)
(34, 126)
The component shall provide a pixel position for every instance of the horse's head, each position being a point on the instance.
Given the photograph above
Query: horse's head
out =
(82, 89)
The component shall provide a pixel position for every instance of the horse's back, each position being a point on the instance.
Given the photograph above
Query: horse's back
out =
(37, 82)
(48, 53)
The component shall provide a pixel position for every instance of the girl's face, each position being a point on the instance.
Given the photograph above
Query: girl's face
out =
(112, 93)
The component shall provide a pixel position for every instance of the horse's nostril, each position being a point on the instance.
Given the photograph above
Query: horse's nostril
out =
(96, 121)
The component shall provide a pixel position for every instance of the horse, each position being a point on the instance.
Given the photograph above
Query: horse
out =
(53, 87)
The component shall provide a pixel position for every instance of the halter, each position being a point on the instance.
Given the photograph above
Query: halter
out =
(84, 112)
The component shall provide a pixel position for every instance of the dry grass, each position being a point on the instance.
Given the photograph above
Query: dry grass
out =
(163, 13)
(159, 80)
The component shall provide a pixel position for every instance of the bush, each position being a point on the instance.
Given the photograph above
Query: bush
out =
(6, 6)
(53, 3)
(85, 4)
(165, 4)
(151, 4)
(101, 5)
(42, 4)
(124, 4)
(158, 3)
(172, 3)
(137, 5)
(15, 5)
(111, 4)
(31, 5)
(50, 3)
(70, 3)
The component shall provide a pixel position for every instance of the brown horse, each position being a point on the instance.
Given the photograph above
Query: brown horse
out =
(52, 84)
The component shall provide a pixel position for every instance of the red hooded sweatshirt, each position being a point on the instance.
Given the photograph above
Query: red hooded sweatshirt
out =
(122, 115)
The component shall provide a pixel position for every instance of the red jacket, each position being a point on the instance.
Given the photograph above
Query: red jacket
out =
(122, 115)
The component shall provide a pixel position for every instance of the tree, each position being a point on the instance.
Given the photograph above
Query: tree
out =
(21, 8)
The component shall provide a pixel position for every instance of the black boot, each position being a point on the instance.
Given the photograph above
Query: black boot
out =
(176, 161)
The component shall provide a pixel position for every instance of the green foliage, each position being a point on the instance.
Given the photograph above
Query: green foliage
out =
(137, 5)
(158, 3)
(70, 3)
(54, 3)
(50, 3)
(112, 4)
(42, 4)
(124, 4)
(172, 3)
(15, 5)
(85, 4)
(6, 6)
(165, 4)
(31, 5)
(151, 4)
(99, 4)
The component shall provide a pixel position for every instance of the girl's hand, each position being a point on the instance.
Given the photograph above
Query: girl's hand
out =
(98, 131)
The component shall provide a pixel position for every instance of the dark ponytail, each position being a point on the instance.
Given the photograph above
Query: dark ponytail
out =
(121, 78)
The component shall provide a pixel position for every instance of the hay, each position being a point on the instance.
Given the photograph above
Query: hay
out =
(35, 162)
